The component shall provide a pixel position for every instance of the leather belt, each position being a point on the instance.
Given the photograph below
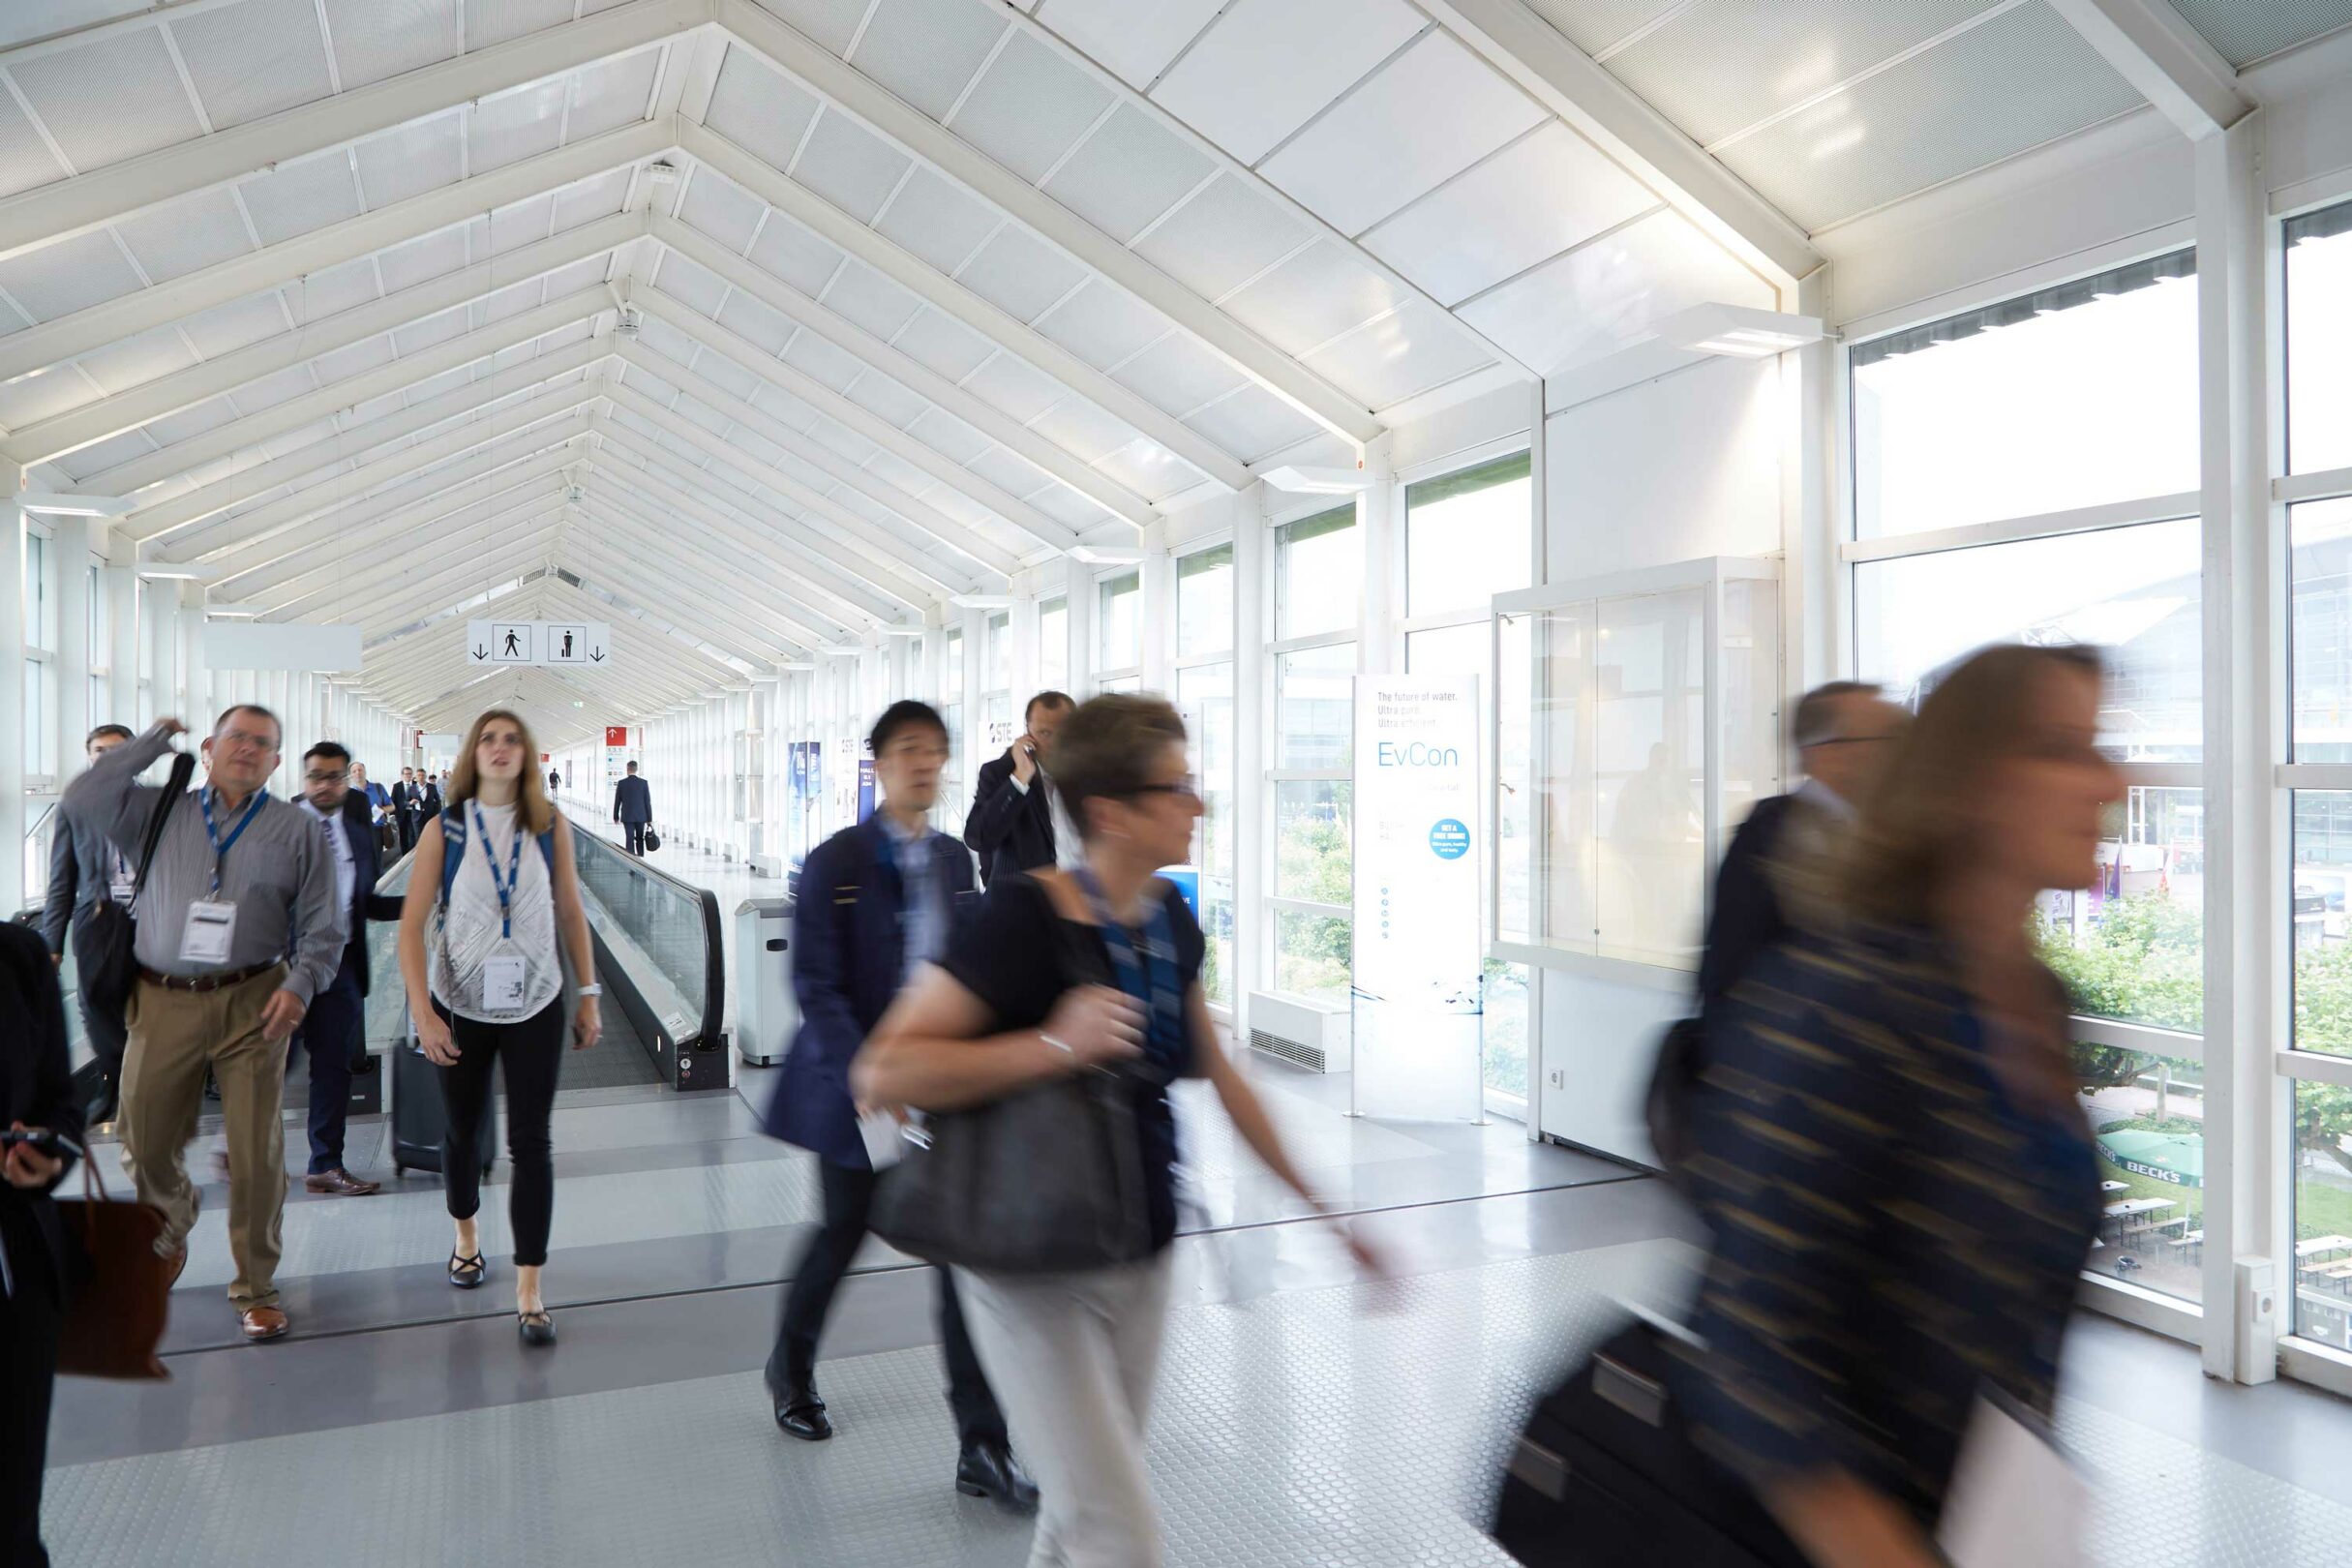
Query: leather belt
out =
(200, 983)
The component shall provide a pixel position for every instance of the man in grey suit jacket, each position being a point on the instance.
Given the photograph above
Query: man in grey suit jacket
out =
(84, 867)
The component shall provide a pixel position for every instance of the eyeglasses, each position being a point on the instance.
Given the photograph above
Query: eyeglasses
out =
(1187, 786)
(316, 776)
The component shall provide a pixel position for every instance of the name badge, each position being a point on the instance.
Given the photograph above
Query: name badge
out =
(212, 924)
(123, 889)
(503, 981)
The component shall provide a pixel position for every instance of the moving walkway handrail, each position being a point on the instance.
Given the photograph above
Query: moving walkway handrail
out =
(707, 1034)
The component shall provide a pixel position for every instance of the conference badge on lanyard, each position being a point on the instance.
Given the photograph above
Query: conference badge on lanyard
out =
(504, 973)
(211, 927)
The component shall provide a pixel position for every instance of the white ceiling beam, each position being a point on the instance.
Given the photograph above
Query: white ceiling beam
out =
(1055, 461)
(852, 417)
(930, 520)
(1615, 119)
(453, 583)
(643, 518)
(2167, 61)
(632, 536)
(183, 511)
(952, 298)
(607, 563)
(918, 554)
(311, 500)
(338, 602)
(647, 632)
(341, 571)
(883, 594)
(72, 206)
(184, 390)
(67, 336)
(877, 107)
(353, 391)
(492, 473)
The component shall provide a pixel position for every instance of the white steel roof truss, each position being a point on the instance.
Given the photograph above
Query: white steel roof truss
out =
(634, 540)
(647, 632)
(602, 564)
(343, 569)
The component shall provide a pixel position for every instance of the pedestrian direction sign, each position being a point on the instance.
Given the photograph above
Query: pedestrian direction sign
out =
(587, 644)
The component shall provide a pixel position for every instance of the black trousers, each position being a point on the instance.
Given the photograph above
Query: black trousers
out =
(28, 1372)
(332, 1033)
(108, 1036)
(849, 1196)
(530, 1052)
(637, 837)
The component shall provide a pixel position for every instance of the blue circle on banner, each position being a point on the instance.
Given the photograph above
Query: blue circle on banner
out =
(1450, 839)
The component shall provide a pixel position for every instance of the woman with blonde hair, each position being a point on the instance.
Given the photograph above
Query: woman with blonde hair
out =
(1889, 1145)
(486, 986)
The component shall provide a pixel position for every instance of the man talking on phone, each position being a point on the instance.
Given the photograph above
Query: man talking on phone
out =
(1017, 821)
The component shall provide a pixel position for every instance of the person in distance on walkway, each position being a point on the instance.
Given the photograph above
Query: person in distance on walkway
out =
(554, 782)
(1074, 1355)
(486, 988)
(35, 1096)
(379, 802)
(334, 1032)
(898, 891)
(84, 867)
(1893, 1154)
(239, 928)
(633, 808)
(1018, 820)
(408, 808)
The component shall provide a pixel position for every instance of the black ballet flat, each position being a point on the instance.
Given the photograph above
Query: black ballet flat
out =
(536, 1328)
(468, 1273)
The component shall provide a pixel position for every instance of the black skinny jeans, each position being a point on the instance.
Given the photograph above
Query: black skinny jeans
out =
(28, 1371)
(531, 1051)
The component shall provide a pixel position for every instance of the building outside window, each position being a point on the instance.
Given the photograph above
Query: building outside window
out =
(2065, 424)
(1318, 567)
(1204, 692)
(1119, 632)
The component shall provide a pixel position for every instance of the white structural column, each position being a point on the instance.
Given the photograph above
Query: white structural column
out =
(125, 634)
(197, 686)
(72, 542)
(2246, 1104)
(1253, 810)
(12, 673)
(2152, 46)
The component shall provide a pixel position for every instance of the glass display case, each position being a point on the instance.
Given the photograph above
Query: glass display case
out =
(1637, 721)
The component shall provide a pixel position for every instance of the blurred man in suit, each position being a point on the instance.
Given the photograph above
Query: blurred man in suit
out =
(1017, 823)
(84, 867)
(408, 808)
(633, 808)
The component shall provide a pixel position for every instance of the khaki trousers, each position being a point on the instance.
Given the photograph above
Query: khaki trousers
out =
(174, 1036)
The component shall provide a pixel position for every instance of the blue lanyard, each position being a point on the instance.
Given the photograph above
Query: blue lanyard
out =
(514, 867)
(220, 846)
(1156, 986)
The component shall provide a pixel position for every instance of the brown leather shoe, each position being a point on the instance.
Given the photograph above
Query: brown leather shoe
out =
(262, 1323)
(341, 1183)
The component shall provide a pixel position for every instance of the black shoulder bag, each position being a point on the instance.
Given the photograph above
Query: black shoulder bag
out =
(113, 926)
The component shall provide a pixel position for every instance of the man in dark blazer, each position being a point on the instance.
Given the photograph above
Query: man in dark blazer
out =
(408, 808)
(1016, 822)
(633, 808)
(84, 867)
(334, 1032)
(877, 899)
(36, 1094)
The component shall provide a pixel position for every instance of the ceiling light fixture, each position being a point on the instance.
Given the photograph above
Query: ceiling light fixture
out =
(56, 506)
(1300, 479)
(1738, 331)
(1106, 555)
(163, 571)
(981, 601)
(234, 611)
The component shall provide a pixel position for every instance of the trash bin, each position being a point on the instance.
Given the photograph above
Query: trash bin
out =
(766, 1011)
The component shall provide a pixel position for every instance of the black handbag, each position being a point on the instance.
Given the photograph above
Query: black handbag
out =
(113, 927)
(1044, 1181)
(1605, 1475)
(653, 839)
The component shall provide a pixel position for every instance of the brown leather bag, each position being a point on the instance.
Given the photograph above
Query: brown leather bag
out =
(120, 1294)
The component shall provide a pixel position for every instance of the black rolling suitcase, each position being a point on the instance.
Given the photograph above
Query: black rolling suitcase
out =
(1604, 1476)
(419, 1116)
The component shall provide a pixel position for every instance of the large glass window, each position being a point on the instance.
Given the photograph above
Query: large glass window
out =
(1318, 575)
(1053, 645)
(953, 800)
(1118, 628)
(2318, 326)
(1204, 602)
(2077, 395)
(38, 632)
(1204, 692)
(996, 667)
(1468, 536)
(1314, 707)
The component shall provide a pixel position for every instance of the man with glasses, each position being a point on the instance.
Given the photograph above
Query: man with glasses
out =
(239, 883)
(334, 1032)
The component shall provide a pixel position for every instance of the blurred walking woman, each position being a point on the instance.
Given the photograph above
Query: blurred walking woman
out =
(1073, 1355)
(1893, 1152)
(486, 986)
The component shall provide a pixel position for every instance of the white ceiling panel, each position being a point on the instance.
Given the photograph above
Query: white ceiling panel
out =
(722, 209)
(831, 22)
(521, 223)
(1411, 350)
(106, 454)
(1594, 25)
(879, 394)
(2244, 31)
(1534, 199)
(515, 125)
(332, 289)
(189, 423)
(612, 93)
(1266, 67)
(759, 110)
(114, 97)
(797, 256)
(950, 435)
(271, 390)
(1017, 387)
(68, 276)
(727, 377)
(1313, 297)
(667, 342)
(936, 220)
(254, 58)
(1430, 113)
(1135, 42)
(1595, 300)
(1020, 273)
(1178, 373)
(1150, 470)
(1131, 171)
(1011, 475)
(1226, 234)
(2014, 82)
(850, 166)
(837, 367)
(591, 200)
(25, 160)
(1064, 507)
(1080, 427)
(579, 274)
(872, 301)
(945, 344)
(30, 399)
(494, 21)
(132, 361)
(412, 159)
(927, 50)
(428, 257)
(300, 195)
(510, 301)
(418, 336)
(842, 439)
(1103, 323)
(376, 39)
(186, 236)
(1253, 423)
(1030, 106)
(341, 364)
